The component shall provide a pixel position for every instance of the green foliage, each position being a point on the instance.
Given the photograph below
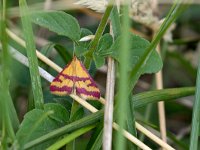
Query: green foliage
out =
(70, 137)
(102, 51)
(145, 98)
(58, 22)
(196, 115)
(39, 122)
(82, 47)
(138, 47)
(53, 125)
(88, 120)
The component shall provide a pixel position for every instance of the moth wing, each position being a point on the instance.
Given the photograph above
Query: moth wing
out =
(63, 83)
(85, 85)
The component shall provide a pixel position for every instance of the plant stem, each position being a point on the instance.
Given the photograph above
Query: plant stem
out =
(122, 98)
(161, 105)
(98, 34)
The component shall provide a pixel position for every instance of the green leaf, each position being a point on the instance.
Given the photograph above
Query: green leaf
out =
(105, 43)
(83, 46)
(58, 22)
(60, 113)
(99, 60)
(102, 50)
(39, 122)
(115, 20)
(137, 49)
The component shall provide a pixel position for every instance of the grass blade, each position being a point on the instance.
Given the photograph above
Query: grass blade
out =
(33, 63)
(142, 99)
(5, 101)
(196, 115)
(98, 142)
(70, 137)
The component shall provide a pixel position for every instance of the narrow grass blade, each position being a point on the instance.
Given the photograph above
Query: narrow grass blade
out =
(196, 115)
(142, 99)
(31, 53)
(98, 142)
(70, 137)
(5, 103)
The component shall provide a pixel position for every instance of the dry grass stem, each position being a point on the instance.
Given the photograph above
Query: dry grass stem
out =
(161, 105)
(108, 114)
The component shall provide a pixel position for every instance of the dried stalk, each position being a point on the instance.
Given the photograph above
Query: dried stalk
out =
(108, 114)
(161, 105)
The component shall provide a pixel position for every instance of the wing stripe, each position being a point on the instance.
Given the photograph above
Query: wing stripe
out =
(62, 89)
(90, 93)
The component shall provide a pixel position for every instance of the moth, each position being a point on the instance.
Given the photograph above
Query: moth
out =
(74, 78)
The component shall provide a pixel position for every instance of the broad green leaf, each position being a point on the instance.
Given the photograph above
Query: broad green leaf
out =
(58, 22)
(39, 122)
(83, 46)
(138, 47)
(60, 113)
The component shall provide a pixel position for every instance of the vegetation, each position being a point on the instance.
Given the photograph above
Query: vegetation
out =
(149, 89)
